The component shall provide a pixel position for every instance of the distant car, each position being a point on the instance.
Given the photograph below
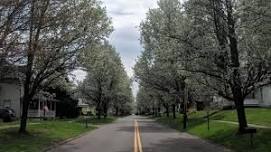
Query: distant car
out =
(7, 114)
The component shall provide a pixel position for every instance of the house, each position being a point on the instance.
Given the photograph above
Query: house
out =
(11, 93)
(219, 102)
(11, 90)
(43, 106)
(259, 98)
(85, 108)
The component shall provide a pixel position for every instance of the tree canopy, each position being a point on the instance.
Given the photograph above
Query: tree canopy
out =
(211, 48)
(107, 85)
(47, 37)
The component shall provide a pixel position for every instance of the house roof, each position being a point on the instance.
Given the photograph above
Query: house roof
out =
(81, 103)
(45, 96)
(11, 73)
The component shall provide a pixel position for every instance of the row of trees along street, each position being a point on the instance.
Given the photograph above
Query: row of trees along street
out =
(207, 47)
(52, 38)
(107, 85)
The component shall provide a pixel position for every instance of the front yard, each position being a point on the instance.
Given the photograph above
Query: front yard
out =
(257, 116)
(225, 133)
(43, 133)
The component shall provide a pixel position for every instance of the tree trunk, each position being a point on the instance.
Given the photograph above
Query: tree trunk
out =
(99, 115)
(241, 114)
(99, 112)
(105, 115)
(117, 111)
(24, 114)
(158, 110)
(167, 110)
(105, 110)
(174, 111)
(237, 82)
(29, 71)
(185, 107)
(185, 120)
(223, 36)
(27, 97)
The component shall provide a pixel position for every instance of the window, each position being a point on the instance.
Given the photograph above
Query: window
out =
(1, 103)
(251, 95)
(53, 105)
(7, 103)
(34, 104)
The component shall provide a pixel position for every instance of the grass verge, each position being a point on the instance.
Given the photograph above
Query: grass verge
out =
(225, 134)
(44, 134)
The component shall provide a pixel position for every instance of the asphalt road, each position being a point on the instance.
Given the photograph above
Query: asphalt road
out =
(137, 134)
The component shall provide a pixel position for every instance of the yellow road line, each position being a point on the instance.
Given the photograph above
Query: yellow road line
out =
(137, 138)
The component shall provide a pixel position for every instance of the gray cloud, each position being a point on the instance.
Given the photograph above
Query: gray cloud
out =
(126, 16)
(126, 33)
(125, 38)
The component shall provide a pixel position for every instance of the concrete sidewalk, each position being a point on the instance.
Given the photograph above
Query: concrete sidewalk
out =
(236, 123)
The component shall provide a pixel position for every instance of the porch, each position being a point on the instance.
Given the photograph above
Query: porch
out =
(42, 108)
(39, 113)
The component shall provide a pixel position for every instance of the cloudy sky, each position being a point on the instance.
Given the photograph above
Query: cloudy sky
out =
(126, 16)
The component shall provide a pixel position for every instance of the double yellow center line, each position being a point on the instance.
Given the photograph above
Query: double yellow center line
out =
(137, 139)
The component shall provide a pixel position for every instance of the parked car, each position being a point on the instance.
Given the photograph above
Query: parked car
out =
(7, 114)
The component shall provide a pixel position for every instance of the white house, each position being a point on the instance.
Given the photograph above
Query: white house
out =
(43, 105)
(11, 93)
(259, 98)
(10, 96)
(84, 107)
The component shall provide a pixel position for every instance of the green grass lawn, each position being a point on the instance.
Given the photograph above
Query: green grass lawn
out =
(44, 134)
(225, 134)
(258, 116)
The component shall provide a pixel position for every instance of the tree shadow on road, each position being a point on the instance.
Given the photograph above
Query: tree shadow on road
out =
(146, 127)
